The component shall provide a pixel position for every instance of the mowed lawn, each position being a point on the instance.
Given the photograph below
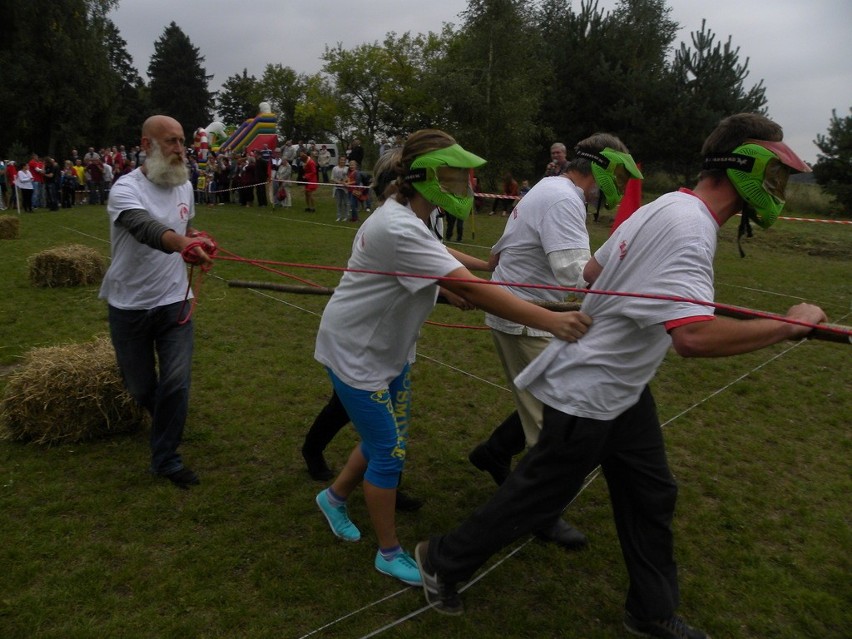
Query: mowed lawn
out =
(92, 546)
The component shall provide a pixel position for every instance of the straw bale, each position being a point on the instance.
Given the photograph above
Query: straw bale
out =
(10, 227)
(63, 394)
(70, 265)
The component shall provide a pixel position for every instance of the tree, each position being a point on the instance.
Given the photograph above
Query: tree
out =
(833, 170)
(385, 89)
(709, 84)
(608, 72)
(179, 82)
(492, 82)
(122, 118)
(360, 79)
(41, 105)
(285, 89)
(239, 98)
(317, 114)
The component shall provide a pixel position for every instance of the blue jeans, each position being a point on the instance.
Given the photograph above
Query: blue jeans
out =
(142, 339)
(38, 194)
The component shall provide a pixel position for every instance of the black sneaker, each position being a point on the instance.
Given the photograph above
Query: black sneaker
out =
(672, 628)
(563, 534)
(183, 478)
(406, 503)
(317, 468)
(487, 461)
(442, 596)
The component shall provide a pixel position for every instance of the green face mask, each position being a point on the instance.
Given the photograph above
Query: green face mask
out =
(758, 169)
(443, 178)
(611, 170)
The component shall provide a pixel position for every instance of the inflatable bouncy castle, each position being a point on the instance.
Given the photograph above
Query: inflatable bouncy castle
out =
(202, 148)
(254, 133)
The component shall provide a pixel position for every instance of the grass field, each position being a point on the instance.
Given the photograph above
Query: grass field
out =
(94, 547)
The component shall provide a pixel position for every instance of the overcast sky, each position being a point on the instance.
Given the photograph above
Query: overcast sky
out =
(801, 50)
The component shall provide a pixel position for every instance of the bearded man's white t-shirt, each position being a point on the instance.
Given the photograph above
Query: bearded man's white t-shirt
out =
(141, 277)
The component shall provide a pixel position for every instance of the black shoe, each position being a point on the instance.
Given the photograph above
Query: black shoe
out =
(317, 468)
(183, 478)
(487, 461)
(563, 534)
(442, 596)
(406, 503)
(672, 628)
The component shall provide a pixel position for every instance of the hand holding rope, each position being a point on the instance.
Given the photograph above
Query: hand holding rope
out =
(199, 252)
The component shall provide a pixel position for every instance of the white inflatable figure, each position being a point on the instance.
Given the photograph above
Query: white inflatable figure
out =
(216, 133)
(265, 107)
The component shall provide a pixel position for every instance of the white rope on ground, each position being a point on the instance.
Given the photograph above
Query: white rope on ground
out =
(355, 612)
(516, 549)
(589, 479)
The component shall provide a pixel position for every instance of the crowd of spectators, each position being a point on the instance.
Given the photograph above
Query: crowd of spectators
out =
(47, 183)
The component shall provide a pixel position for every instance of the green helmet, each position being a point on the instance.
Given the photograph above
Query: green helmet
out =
(611, 170)
(758, 169)
(443, 178)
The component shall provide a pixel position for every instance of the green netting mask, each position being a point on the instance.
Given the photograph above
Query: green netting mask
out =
(759, 169)
(611, 170)
(443, 178)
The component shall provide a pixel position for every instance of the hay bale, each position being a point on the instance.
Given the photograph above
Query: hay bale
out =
(71, 265)
(10, 227)
(63, 394)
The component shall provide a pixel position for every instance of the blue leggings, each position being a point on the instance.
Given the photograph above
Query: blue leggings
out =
(381, 418)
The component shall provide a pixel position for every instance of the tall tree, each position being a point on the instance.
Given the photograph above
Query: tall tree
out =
(360, 79)
(122, 118)
(492, 81)
(608, 69)
(385, 89)
(833, 170)
(239, 98)
(317, 115)
(179, 82)
(709, 81)
(285, 89)
(41, 105)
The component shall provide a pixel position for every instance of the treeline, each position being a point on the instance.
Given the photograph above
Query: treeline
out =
(511, 78)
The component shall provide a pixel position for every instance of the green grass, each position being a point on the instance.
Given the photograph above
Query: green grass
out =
(92, 546)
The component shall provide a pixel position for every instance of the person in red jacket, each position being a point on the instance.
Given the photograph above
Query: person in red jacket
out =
(309, 175)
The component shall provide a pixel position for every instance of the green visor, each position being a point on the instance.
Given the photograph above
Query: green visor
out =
(443, 178)
(611, 170)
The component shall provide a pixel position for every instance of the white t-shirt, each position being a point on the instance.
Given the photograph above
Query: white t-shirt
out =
(369, 327)
(551, 217)
(139, 276)
(664, 248)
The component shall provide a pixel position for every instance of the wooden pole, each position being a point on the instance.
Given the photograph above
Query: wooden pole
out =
(825, 332)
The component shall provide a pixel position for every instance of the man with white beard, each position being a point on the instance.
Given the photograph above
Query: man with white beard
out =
(147, 288)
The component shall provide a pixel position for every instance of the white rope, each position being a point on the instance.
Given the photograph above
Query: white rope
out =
(516, 549)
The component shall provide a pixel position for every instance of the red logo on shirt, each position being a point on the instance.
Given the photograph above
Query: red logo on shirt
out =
(183, 211)
(622, 250)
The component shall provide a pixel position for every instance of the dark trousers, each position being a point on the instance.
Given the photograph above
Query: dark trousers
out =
(452, 222)
(154, 354)
(631, 453)
(327, 424)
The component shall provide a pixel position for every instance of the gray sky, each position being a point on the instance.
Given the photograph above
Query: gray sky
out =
(801, 50)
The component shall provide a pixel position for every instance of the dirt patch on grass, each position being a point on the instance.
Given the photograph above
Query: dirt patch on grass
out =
(831, 248)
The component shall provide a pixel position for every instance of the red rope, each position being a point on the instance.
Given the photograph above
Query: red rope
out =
(569, 289)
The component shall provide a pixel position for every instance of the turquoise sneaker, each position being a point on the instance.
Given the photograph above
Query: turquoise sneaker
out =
(338, 519)
(403, 567)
